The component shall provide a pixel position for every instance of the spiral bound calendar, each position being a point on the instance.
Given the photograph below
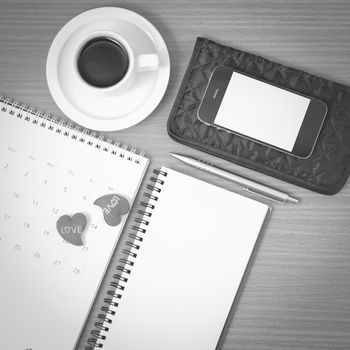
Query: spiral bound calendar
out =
(52, 173)
(186, 260)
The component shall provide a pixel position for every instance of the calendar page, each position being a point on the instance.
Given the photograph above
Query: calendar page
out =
(47, 175)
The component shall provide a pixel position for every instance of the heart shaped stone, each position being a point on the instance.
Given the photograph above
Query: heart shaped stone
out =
(113, 207)
(71, 228)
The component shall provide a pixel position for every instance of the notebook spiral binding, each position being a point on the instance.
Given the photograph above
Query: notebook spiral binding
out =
(120, 278)
(69, 130)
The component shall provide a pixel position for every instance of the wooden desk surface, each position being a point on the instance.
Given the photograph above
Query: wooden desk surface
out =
(297, 295)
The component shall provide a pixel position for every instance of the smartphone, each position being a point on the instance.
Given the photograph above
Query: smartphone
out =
(263, 112)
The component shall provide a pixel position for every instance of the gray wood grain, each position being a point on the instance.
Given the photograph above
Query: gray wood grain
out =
(297, 293)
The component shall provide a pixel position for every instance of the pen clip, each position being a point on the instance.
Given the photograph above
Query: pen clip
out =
(263, 196)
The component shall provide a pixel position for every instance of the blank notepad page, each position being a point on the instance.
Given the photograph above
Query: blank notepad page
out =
(188, 268)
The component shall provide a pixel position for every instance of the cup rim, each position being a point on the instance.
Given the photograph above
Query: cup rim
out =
(111, 36)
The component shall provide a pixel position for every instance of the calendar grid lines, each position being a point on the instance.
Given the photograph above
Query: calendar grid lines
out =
(48, 170)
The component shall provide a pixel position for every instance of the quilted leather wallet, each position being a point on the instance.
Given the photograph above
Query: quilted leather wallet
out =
(325, 171)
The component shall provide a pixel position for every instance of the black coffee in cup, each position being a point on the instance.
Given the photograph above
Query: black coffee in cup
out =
(103, 62)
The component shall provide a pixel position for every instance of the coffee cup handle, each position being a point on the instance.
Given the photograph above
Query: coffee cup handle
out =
(147, 61)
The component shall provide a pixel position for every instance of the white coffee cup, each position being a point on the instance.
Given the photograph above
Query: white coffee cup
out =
(136, 63)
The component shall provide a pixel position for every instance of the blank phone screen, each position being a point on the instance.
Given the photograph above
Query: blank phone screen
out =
(262, 111)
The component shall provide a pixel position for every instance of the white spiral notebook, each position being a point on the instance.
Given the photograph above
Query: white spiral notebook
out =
(184, 267)
(49, 169)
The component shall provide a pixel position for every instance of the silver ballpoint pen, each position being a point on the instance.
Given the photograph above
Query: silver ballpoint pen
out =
(249, 185)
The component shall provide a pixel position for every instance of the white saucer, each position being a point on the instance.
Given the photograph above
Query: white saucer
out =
(104, 109)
